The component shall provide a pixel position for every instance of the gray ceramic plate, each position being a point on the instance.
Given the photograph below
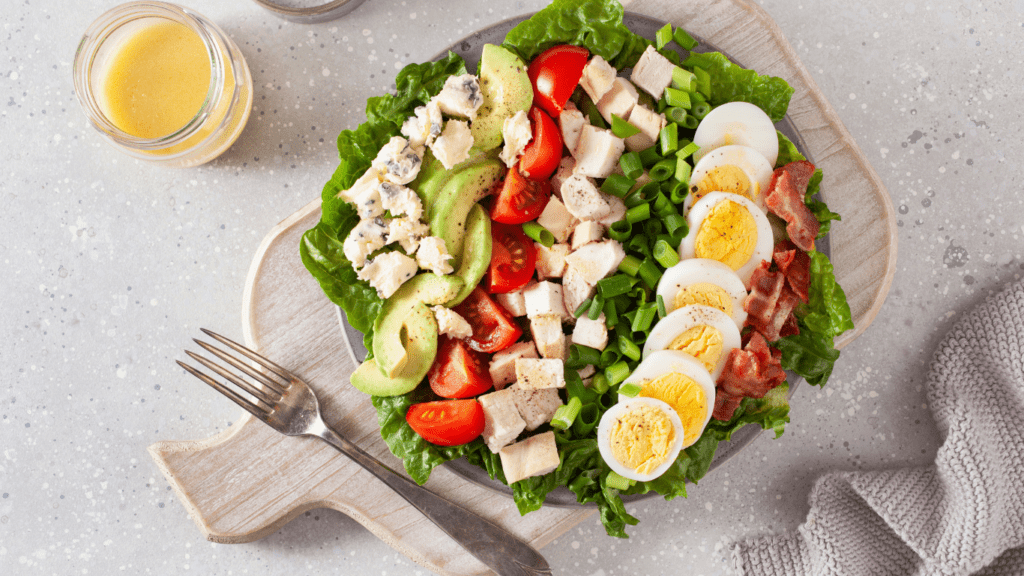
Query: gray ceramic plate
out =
(470, 48)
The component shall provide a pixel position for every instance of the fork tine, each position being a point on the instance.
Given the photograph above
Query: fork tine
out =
(231, 394)
(285, 374)
(260, 395)
(274, 386)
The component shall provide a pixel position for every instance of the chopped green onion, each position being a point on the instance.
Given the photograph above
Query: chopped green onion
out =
(622, 128)
(638, 213)
(581, 356)
(664, 254)
(628, 348)
(703, 81)
(668, 139)
(620, 231)
(581, 309)
(596, 305)
(649, 157)
(566, 413)
(593, 114)
(697, 97)
(599, 383)
(663, 36)
(539, 234)
(588, 418)
(672, 56)
(677, 115)
(630, 265)
(630, 389)
(615, 285)
(691, 122)
(661, 307)
(650, 274)
(700, 110)
(663, 170)
(677, 98)
(631, 165)
(616, 481)
(610, 355)
(652, 228)
(574, 387)
(639, 244)
(616, 372)
(611, 317)
(674, 222)
(679, 189)
(617, 185)
(606, 401)
(687, 149)
(683, 80)
(662, 206)
(684, 39)
(644, 318)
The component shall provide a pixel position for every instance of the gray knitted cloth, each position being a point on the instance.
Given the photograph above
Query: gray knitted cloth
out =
(964, 514)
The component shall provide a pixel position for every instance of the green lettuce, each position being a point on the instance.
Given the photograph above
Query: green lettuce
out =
(730, 83)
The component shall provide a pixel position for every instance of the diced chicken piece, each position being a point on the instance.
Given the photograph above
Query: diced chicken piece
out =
(653, 72)
(565, 170)
(575, 290)
(587, 371)
(548, 336)
(551, 261)
(398, 161)
(616, 212)
(367, 181)
(426, 125)
(620, 100)
(591, 333)
(387, 272)
(407, 233)
(536, 406)
(586, 232)
(535, 374)
(514, 302)
(543, 299)
(535, 456)
(453, 145)
(450, 323)
(503, 363)
(365, 238)
(502, 422)
(596, 260)
(433, 255)
(368, 204)
(460, 96)
(597, 79)
(650, 125)
(571, 122)
(582, 198)
(597, 152)
(557, 220)
(517, 134)
(400, 200)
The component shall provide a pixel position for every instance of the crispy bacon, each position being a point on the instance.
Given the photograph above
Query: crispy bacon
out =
(786, 199)
(796, 265)
(765, 288)
(748, 373)
(784, 306)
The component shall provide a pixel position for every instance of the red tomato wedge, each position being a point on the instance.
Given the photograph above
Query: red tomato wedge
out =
(513, 259)
(555, 74)
(541, 157)
(520, 199)
(493, 327)
(458, 371)
(447, 422)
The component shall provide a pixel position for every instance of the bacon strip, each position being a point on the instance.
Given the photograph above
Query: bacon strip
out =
(785, 199)
(796, 265)
(765, 288)
(748, 373)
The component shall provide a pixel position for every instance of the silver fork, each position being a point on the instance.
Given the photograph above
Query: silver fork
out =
(288, 405)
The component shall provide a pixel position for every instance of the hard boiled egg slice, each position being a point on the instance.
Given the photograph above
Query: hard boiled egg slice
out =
(680, 381)
(736, 169)
(639, 438)
(703, 332)
(707, 282)
(731, 229)
(737, 123)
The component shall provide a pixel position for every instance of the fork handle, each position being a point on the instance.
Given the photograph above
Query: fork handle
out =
(496, 547)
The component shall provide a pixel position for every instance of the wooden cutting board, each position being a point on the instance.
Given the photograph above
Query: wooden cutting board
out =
(248, 481)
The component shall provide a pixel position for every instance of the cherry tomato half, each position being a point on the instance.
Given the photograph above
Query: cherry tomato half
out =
(541, 157)
(555, 74)
(513, 259)
(458, 371)
(519, 198)
(447, 422)
(493, 327)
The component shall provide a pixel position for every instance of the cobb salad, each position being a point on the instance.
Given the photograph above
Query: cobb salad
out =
(584, 265)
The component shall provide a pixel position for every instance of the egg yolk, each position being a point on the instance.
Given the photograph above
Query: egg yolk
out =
(707, 294)
(703, 343)
(727, 178)
(686, 397)
(642, 438)
(728, 234)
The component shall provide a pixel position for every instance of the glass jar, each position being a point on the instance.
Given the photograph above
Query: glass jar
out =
(115, 48)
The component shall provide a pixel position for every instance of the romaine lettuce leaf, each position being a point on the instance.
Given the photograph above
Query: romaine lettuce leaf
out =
(730, 83)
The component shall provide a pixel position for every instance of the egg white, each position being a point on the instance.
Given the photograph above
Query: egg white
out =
(762, 248)
(604, 431)
(703, 270)
(667, 361)
(737, 123)
(747, 159)
(671, 326)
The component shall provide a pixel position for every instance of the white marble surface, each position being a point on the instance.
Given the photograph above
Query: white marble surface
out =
(108, 266)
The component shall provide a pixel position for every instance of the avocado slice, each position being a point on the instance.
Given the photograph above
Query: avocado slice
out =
(506, 90)
(448, 213)
(476, 253)
(405, 331)
(369, 376)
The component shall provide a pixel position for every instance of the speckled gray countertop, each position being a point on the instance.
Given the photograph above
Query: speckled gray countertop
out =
(109, 266)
